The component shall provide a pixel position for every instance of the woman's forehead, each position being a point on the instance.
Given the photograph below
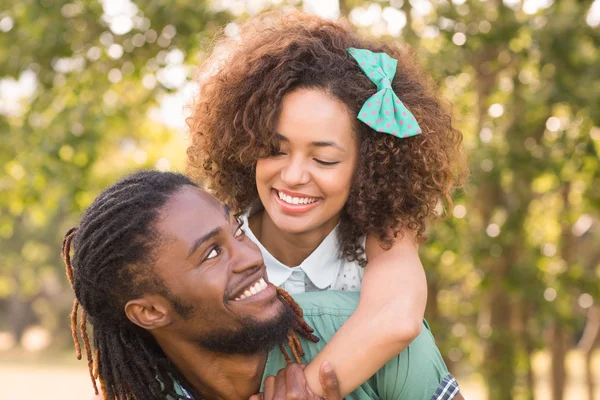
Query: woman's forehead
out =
(312, 115)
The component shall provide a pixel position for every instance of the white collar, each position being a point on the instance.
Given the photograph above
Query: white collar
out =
(321, 266)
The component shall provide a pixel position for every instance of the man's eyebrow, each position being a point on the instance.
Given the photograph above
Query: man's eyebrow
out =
(204, 238)
(323, 143)
(226, 211)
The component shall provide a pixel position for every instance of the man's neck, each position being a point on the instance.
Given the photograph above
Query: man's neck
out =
(216, 376)
(290, 249)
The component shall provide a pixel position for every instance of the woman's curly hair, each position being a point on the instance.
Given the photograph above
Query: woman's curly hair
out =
(398, 183)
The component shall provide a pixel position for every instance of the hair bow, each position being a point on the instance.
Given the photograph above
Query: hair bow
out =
(384, 111)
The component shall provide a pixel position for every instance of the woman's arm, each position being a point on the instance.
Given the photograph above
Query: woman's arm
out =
(389, 316)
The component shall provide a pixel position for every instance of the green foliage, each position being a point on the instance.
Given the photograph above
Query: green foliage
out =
(525, 87)
(85, 122)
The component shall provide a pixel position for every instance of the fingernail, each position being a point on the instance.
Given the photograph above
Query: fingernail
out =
(327, 367)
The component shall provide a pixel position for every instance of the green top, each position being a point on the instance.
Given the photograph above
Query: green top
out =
(416, 373)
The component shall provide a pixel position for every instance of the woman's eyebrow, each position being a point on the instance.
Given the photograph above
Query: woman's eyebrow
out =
(327, 144)
(320, 143)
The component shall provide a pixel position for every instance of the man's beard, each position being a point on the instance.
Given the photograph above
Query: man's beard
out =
(252, 336)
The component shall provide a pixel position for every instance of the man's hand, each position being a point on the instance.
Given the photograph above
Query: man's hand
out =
(329, 382)
(290, 384)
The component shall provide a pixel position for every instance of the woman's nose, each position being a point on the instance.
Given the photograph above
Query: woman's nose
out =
(295, 173)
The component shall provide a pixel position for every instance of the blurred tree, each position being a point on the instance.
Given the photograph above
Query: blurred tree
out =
(514, 261)
(79, 81)
(524, 77)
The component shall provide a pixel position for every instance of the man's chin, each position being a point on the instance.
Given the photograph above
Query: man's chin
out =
(253, 335)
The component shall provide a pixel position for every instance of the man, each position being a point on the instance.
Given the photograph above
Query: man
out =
(182, 308)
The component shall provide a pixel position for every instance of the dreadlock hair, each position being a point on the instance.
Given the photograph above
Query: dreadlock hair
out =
(115, 247)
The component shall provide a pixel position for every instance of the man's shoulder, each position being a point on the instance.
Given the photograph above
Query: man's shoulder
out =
(415, 373)
(325, 312)
(328, 303)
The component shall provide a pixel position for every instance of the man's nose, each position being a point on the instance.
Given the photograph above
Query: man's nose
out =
(295, 173)
(245, 255)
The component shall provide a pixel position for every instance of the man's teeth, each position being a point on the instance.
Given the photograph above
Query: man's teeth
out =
(296, 200)
(258, 287)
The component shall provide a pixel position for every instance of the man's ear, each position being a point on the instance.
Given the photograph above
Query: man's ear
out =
(149, 312)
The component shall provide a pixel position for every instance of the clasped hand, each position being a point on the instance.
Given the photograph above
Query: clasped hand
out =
(290, 384)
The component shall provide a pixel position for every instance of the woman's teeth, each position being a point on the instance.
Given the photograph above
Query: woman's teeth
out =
(296, 200)
(258, 287)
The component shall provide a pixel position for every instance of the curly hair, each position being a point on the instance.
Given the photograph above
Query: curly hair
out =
(398, 183)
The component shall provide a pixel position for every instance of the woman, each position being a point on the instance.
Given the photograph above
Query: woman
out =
(337, 150)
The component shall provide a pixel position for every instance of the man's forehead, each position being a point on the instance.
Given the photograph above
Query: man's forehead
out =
(193, 207)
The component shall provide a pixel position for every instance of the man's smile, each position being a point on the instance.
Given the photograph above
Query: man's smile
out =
(253, 289)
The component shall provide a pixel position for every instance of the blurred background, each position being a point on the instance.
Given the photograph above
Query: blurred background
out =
(92, 90)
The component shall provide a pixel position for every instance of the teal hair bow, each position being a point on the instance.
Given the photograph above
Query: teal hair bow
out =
(384, 111)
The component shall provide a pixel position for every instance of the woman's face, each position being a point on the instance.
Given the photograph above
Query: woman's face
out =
(305, 186)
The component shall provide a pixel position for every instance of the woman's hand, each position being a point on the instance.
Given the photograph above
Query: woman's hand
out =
(290, 384)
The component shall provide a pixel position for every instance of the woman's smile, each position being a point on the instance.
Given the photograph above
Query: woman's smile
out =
(295, 203)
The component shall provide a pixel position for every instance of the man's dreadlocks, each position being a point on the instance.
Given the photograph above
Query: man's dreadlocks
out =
(114, 249)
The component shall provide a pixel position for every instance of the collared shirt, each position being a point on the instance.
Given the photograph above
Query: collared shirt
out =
(323, 269)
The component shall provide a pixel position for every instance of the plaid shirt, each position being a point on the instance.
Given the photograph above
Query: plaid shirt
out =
(447, 389)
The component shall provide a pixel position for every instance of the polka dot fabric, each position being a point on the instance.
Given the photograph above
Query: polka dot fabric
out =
(384, 111)
(349, 278)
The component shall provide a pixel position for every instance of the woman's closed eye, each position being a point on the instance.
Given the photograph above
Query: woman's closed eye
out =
(275, 150)
(326, 162)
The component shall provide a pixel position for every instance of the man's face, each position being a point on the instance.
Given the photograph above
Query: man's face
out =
(216, 279)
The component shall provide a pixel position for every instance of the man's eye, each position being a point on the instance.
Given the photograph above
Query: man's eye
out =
(239, 232)
(213, 253)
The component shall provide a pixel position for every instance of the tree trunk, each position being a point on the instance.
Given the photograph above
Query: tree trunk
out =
(345, 8)
(432, 313)
(530, 376)
(559, 335)
(500, 354)
(528, 347)
(587, 345)
(559, 353)
(589, 377)
(19, 317)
